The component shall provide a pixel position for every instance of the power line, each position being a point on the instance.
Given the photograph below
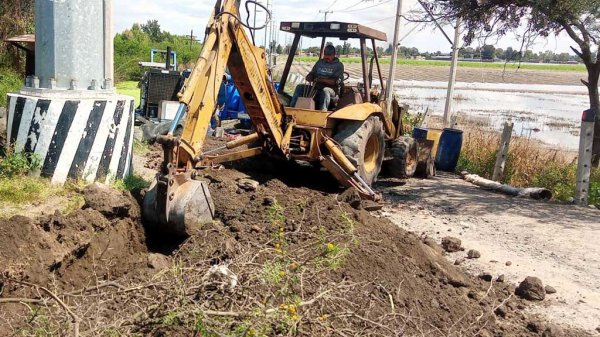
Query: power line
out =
(386, 18)
(360, 9)
(352, 6)
(332, 4)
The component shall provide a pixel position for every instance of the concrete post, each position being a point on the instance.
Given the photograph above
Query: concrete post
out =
(584, 162)
(503, 151)
(68, 114)
(395, 46)
(70, 42)
(452, 81)
(109, 48)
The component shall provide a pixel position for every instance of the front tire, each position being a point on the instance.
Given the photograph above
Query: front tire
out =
(363, 143)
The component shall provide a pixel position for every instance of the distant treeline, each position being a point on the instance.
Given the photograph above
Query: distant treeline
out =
(487, 52)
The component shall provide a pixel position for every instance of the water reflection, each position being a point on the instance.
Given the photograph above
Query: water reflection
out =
(550, 113)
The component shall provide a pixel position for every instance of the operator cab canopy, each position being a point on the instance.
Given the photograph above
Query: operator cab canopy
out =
(341, 30)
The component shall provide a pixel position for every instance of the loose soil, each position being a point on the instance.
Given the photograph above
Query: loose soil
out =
(285, 259)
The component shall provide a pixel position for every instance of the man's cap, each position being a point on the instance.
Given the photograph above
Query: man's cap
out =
(329, 50)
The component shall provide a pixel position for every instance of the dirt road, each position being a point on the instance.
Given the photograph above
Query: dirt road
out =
(557, 243)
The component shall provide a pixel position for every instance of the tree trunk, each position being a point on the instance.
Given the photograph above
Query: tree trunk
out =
(593, 76)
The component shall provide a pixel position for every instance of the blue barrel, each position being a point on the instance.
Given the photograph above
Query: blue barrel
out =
(419, 133)
(449, 149)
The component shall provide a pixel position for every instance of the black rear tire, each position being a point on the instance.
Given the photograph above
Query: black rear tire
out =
(363, 143)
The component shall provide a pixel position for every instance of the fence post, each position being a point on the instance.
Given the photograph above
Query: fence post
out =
(503, 151)
(584, 162)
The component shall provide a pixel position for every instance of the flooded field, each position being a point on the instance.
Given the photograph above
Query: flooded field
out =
(550, 113)
(545, 105)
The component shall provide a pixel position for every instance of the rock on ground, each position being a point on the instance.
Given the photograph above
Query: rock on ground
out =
(248, 184)
(473, 254)
(531, 289)
(451, 244)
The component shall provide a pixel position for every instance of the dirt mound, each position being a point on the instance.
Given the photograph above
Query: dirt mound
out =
(69, 247)
(283, 259)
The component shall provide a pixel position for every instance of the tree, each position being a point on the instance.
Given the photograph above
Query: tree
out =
(279, 49)
(488, 52)
(152, 28)
(580, 19)
(16, 17)
(346, 48)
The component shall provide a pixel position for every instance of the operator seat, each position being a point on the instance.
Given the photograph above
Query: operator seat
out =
(350, 96)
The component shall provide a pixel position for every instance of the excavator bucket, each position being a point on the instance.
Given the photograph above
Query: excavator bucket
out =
(178, 208)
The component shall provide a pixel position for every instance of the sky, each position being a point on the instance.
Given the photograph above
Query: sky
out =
(185, 15)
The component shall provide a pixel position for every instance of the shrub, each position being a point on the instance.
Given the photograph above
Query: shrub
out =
(10, 81)
(18, 164)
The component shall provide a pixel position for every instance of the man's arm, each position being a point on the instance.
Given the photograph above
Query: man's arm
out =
(311, 75)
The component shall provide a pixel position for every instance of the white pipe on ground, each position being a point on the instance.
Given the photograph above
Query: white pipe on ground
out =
(537, 193)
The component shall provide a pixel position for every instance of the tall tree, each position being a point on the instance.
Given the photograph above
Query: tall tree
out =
(152, 28)
(580, 19)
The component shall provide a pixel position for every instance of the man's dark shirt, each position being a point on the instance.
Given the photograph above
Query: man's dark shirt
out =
(331, 70)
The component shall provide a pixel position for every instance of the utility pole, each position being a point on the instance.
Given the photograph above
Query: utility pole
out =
(391, 75)
(325, 12)
(452, 81)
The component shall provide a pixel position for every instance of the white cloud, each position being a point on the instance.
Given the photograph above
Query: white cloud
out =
(185, 15)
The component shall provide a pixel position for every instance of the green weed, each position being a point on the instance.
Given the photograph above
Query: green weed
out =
(18, 163)
(131, 183)
(10, 81)
(335, 255)
(273, 272)
(140, 148)
(172, 318)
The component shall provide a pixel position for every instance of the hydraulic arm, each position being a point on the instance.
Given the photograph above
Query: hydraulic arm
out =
(176, 200)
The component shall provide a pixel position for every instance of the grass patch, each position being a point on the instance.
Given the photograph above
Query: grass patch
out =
(530, 163)
(129, 88)
(140, 148)
(24, 189)
(463, 64)
(130, 183)
(10, 81)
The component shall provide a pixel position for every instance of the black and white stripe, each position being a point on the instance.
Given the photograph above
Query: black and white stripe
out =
(76, 139)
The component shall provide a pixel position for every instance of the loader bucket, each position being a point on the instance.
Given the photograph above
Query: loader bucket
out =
(188, 207)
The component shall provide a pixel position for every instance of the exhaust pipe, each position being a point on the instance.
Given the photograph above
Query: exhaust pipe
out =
(168, 61)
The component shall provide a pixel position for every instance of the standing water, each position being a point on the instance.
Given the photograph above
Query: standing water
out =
(550, 113)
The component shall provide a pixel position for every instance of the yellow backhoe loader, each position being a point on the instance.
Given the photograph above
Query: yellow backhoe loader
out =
(349, 141)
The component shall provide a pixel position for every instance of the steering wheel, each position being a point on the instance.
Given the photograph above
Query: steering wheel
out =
(346, 76)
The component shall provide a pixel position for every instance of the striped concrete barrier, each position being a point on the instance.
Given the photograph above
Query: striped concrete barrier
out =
(83, 139)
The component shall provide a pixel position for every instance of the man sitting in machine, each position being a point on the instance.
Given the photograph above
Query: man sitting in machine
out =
(325, 77)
